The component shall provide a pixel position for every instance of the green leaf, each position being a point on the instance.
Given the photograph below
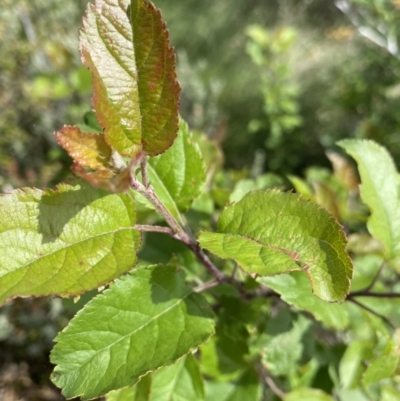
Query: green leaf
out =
(139, 392)
(384, 366)
(224, 356)
(64, 242)
(273, 232)
(390, 394)
(309, 394)
(179, 382)
(147, 319)
(247, 387)
(264, 181)
(87, 149)
(380, 190)
(136, 93)
(161, 248)
(294, 289)
(282, 351)
(125, 394)
(351, 368)
(211, 153)
(178, 175)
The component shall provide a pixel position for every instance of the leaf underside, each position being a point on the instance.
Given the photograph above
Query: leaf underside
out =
(272, 232)
(64, 242)
(147, 319)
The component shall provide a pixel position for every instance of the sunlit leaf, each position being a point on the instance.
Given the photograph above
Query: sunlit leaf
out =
(309, 394)
(178, 175)
(125, 394)
(136, 93)
(64, 242)
(147, 319)
(380, 190)
(87, 149)
(272, 232)
(181, 381)
(351, 365)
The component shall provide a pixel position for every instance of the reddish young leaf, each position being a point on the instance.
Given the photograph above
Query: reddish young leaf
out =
(136, 94)
(87, 149)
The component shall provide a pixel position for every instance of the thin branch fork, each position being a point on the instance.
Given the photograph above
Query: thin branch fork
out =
(175, 229)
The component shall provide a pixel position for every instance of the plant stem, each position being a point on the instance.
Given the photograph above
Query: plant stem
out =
(150, 195)
(206, 286)
(368, 309)
(156, 229)
(374, 280)
(145, 176)
(176, 229)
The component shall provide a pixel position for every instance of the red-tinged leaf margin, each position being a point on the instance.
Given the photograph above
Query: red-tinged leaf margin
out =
(139, 110)
(86, 149)
(325, 285)
(23, 195)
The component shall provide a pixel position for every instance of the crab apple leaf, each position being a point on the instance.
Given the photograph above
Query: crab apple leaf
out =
(351, 364)
(385, 365)
(145, 320)
(86, 149)
(139, 392)
(136, 95)
(106, 179)
(380, 190)
(273, 232)
(247, 387)
(294, 288)
(309, 394)
(64, 242)
(125, 394)
(179, 382)
(178, 175)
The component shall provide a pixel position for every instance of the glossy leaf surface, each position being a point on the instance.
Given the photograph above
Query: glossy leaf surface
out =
(64, 242)
(147, 319)
(178, 175)
(136, 94)
(273, 232)
(380, 190)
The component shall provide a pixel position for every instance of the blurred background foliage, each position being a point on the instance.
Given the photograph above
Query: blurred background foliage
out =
(276, 83)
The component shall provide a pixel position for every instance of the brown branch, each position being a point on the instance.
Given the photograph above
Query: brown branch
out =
(150, 195)
(177, 231)
(364, 293)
